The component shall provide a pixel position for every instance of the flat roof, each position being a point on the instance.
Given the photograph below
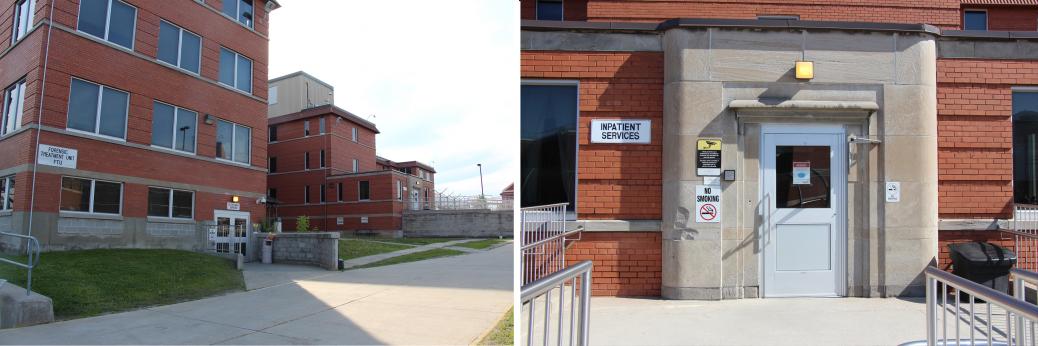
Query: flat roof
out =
(322, 110)
(300, 73)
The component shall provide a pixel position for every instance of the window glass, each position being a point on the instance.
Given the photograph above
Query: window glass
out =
(82, 108)
(338, 192)
(23, 18)
(190, 51)
(121, 25)
(273, 193)
(273, 166)
(106, 197)
(306, 160)
(183, 204)
(975, 20)
(272, 95)
(162, 124)
(75, 194)
(230, 8)
(13, 103)
(306, 127)
(1025, 147)
(322, 158)
(242, 136)
(549, 10)
(273, 133)
(169, 38)
(227, 66)
(363, 190)
(548, 116)
(321, 187)
(158, 202)
(113, 113)
(245, 12)
(354, 134)
(306, 194)
(10, 192)
(92, 17)
(224, 135)
(320, 125)
(244, 82)
(802, 177)
(356, 165)
(185, 130)
(3, 194)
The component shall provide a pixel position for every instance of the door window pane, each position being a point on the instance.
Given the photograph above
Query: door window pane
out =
(82, 107)
(121, 25)
(169, 42)
(92, 17)
(107, 197)
(802, 177)
(183, 204)
(161, 125)
(190, 51)
(113, 113)
(975, 20)
(548, 116)
(242, 138)
(75, 194)
(185, 130)
(224, 135)
(158, 202)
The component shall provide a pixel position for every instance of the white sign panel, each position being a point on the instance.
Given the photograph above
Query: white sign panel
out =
(233, 206)
(893, 191)
(363, 219)
(338, 220)
(708, 203)
(621, 131)
(57, 156)
(802, 173)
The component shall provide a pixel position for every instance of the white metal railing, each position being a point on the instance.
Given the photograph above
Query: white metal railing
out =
(550, 324)
(543, 241)
(986, 316)
(32, 250)
(1025, 232)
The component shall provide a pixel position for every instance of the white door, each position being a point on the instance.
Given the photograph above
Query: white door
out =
(804, 178)
(232, 229)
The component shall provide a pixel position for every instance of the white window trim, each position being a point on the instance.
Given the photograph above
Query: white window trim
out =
(234, 137)
(169, 209)
(97, 116)
(93, 196)
(180, 49)
(6, 182)
(176, 116)
(17, 33)
(108, 22)
(251, 63)
(6, 127)
(987, 17)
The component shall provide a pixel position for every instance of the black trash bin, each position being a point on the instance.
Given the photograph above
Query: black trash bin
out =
(984, 263)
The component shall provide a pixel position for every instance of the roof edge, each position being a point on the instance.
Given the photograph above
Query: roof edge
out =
(300, 73)
(320, 110)
(727, 23)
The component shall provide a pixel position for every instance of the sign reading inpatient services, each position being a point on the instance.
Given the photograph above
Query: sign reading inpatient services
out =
(57, 156)
(621, 131)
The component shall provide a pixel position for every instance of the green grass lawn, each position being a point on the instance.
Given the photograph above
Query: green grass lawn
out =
(417, 256)
(481, 244)
(502, 333)
(353, 248)
(418, 241)
(91, 282)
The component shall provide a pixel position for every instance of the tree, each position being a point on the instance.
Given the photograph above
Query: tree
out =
(302, 223)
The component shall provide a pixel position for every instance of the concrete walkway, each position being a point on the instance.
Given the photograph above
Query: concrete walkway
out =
(787, 321)
(452, 300)
(356, 262)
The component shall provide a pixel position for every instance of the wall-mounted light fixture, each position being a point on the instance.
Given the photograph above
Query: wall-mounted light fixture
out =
(805, 70)
(235, 199)
(209, 119)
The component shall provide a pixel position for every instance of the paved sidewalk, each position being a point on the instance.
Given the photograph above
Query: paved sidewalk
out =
(451, 300)
(356, 262)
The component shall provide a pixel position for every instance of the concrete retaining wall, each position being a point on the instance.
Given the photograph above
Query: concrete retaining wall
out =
(317, 248)
(20, 310)
(458, 223)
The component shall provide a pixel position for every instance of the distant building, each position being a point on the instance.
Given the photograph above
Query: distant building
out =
(322, 164)
(508, 193)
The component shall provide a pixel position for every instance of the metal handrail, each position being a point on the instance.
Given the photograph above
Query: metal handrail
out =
(33, 251)
(934, 275)
(542, 287)
(552, 238)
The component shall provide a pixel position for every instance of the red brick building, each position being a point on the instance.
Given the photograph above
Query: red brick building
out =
(147, 117)
(323, 164)
(939, 88)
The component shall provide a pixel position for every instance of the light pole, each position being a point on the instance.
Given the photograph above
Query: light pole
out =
(480, 165)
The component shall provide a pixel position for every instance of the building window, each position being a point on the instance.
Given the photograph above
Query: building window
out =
(320, 125)
(306, 195)
(338, 192)
(306, 161)
(110, 20)
(548, 144)
(273, 165)
(97, 109)
(306, 127)
(356, 166)
(240, 10)
(399, 191)
(272, 133)
(321, 187)
(173, 127)
(233, 142)
(549, 9)
(354, 134)
(24, 11)
(272, 193)
(363, 191)
(7, 193)
(14, 105)
(235, 70)
(322, 158)
(975, 20)
(177, 204)
(1025, 147)
(179, 47)
(91, 196)
(272, 95)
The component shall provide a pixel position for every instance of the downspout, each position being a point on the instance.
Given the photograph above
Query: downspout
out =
(39, 121)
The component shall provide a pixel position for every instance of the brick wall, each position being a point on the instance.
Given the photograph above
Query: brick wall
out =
(615, 181)
(625, 263)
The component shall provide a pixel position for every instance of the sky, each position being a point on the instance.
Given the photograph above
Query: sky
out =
(441, 79)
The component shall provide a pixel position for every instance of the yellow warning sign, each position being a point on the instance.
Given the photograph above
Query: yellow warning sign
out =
(709, 144)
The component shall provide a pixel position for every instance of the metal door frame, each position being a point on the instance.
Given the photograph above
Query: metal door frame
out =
(232, 214)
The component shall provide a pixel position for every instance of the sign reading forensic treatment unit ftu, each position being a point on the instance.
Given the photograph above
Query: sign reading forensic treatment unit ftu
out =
(621, 131)
(57, 156)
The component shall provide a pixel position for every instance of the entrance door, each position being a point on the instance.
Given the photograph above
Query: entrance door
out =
(231, 231)
(803, 182)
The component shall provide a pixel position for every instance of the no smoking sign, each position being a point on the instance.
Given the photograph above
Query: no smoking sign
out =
(708, 203)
